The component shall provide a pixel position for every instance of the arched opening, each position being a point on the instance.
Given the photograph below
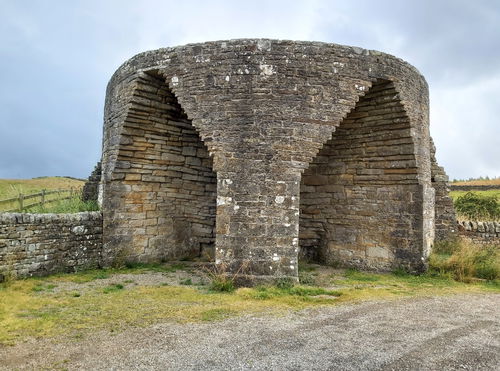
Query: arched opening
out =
(359, 197)
(165, 191)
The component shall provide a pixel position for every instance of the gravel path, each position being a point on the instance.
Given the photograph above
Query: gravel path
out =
(438, 333)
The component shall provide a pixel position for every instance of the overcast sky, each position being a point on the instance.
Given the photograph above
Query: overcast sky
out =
(56, 57)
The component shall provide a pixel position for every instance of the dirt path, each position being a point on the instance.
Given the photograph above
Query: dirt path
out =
(439, 333)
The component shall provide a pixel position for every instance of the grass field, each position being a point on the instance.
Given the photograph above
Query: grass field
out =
(13, 187)
(73, 305)
(490, 192)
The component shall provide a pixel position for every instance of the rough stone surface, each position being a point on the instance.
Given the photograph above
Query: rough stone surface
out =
(445, 217)
(366, 172)
(230, 141)
(41, 244)
(480, 232)
(90, 191)
(455, 187)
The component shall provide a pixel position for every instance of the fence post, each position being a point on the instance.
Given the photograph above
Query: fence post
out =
(21, 200)
(43, 197)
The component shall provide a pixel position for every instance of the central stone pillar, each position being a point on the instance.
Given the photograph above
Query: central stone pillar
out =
(258, 221)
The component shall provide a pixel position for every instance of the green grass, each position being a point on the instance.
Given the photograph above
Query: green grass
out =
(142, 267)
(356, 275)
(32, 308)
(98, 274)
(69, 206)
(43, 287)
(306, 293)
(112, 288)
(186, 282)
(216, 314)
(12, 187)
(465, 261)
(489, 193)
(476, 206)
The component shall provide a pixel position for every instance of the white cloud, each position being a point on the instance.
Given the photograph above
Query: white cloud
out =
(465, 125)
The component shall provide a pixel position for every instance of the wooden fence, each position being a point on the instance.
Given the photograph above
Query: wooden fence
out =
(24, 202)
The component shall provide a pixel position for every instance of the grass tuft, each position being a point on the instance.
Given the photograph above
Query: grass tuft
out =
(466, 261)
(221, 279)
(186, 282)
(113, 288)
(222, 284)
(284, 283)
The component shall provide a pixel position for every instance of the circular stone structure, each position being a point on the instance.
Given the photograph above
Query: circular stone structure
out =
(256, 153)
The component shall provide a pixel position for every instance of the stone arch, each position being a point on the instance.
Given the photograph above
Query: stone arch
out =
(163, 188)
(264, 108)
(360, 196)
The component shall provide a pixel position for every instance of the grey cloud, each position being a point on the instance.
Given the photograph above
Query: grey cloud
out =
(56, 58)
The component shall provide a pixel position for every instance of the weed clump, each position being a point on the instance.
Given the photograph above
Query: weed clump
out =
(466, 261)
(186, 282)
(400, 272)
(475, 206)
(222, 284)
(284, 283)
(113, 288)
(221, 279)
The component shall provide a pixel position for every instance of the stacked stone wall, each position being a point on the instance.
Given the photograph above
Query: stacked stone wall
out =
(41, 244)
(360, 195)
(445, 217)
(481, 232)
(469, 188)
(90, 191)
(163, 204)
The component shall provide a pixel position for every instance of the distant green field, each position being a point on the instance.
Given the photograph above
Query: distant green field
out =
(491, 192)
(55, 202)
(13, 187)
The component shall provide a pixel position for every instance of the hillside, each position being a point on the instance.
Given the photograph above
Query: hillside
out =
(13, 187)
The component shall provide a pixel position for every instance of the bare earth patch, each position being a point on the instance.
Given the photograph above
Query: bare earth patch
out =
(130, 280)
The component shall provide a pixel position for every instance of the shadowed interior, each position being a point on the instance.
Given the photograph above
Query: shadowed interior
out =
(168, 187)
(360, 195)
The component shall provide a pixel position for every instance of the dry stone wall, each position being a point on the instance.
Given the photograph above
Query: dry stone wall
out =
(40, 244)
(445, 217)
(264, 109)
(467, 188)
(90, 191)
(481, 232)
